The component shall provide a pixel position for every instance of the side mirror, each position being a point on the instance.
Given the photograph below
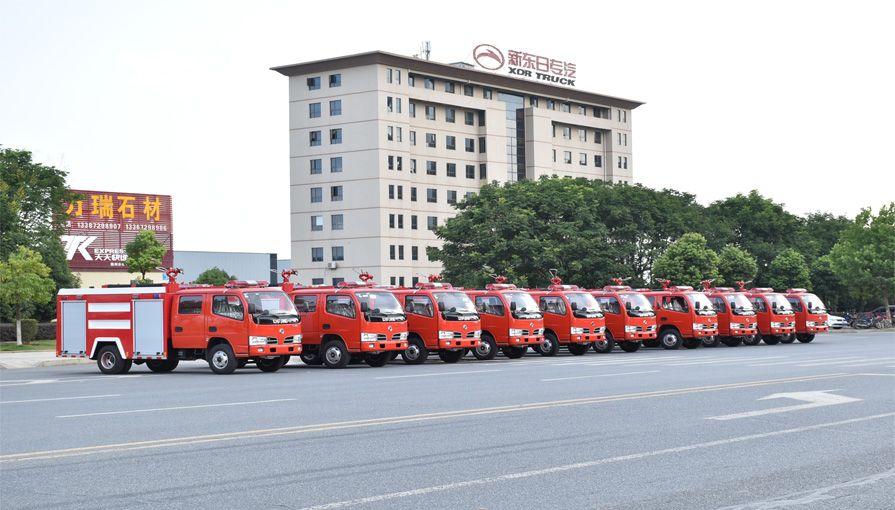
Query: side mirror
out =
(628, 306)
(774, 305)
(574, 307)
(303, 307)
(252, 309)
(364, 307)
(409, 307)
(512, 306)
(440, 306)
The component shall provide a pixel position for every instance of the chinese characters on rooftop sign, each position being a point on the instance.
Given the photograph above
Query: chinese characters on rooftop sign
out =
(102, 224)
(525, 64)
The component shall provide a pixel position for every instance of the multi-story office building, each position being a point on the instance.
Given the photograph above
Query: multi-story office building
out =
(382, 146)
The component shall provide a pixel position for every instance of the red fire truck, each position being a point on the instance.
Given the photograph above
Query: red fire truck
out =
(629, 317)
(736, 318)
(572, 318)
(512, 332)
(685, 316)
(352, 319)
(439, 319)
(159, 325)
(811, 316)
(776, 319)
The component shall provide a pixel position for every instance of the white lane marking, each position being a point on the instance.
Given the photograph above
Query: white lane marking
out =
(583, 465)
(706, 361)
(54, 399)
(881, 375)
(601, 375)
(99, 377)
(837, 362)
(435, 375)
(802, 360)
(175, 408)
(814, 399)
(883, 362)
(811, 496)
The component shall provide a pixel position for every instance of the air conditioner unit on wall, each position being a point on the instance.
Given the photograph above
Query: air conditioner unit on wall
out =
(332, 265)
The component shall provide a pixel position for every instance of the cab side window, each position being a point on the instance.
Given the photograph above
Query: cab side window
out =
(189, 305)
(675, 303)
(419, 305)
(491, 305)
(341, 305)
(610, 305)
(306, 303)
(719, 305)
(796, 303)
(228, 306)
(552, 304)
(758, 304)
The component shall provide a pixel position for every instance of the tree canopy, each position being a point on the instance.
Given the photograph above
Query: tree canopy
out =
(687, 261)
(144, 254)
(214, 276)
(789, 270)
(735, 264)
(25, 279)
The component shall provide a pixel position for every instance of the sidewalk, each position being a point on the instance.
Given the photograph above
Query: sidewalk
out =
(32, 359)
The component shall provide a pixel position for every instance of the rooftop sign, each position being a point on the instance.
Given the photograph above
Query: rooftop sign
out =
(525, 64)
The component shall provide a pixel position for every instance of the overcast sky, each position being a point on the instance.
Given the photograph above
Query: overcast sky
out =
(794, 99)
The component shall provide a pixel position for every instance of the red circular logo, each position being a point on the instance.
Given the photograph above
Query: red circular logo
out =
(488, 57)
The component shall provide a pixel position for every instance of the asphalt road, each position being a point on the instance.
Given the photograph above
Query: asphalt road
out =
(784, 426)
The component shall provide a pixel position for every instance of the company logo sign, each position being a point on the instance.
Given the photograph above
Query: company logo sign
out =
(525, 64)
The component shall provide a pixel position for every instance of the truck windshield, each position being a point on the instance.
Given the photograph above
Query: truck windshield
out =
(272, 307)
(584, 305)
(701, 304)
(526, 307)
(813, 303)
(739, 304)
(783, 305)
(454, 302)
(379, 306)
(637, 305)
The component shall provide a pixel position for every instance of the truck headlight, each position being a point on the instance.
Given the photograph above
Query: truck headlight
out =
(477, 334)
(515, 332)
(697, 325)
(576, 331)
(811, 324)
(257, 340)
(404, 335)
(369, 337)
(736, 325)
(630, 329)
(445, 335)
(778, 325)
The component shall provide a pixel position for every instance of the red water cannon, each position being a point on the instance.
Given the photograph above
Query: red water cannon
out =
(286, 274)
(435, 277)
(665, 284)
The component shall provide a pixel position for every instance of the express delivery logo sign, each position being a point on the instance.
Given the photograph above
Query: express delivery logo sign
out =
(525, 64)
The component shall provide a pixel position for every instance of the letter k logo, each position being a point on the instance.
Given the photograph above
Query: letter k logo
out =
(77, 243)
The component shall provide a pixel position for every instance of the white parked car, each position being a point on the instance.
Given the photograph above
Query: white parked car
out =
(835, 321)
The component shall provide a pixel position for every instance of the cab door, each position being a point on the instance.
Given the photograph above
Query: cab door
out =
(306, 304)
(188, 321)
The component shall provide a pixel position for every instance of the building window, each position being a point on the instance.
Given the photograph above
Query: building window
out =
(335, 80)
(451, 197)
(566, 108)
(430, 113)
(316, 281)
(316, 166)
(317, 254)
(338, 253)
(429, 84)
(482, 118)
(316, 194)
(390, 133)
(432, 195)
(398, 134)
(470, 145)
(391, 252)
(338, 222)
(582, 159)
(626, 163)
(389, 104)
(391, 191)
(486, 93)
(481, 145)
(337, 281)
(619, 161)
(401, 252)
(335, 107)
(335, 165)
(598, 160)
(314, 83)
(413, 194)
(431, 222)
(582, 135)
(336, 193)
(397, 105)
(398, 76)
(401, 221)
(449, 87)
(391, 221)
(619, 138)
(625, 139)
(467, 90)
(413, 138)
(315, 110)
(393, 280)
(598, 137)
(468, 195)
(412, 111)
(430, 140)
(554, 155)
(470, 171)
(483, 171)
(451, 170)
(411, 80)
(400, 163)
(335, 136)
(582, 110)
(413, 222)
(431, 168)
(551, 104)
(413, 166)
(414, 253)
(388, 76)
(533, 101)
(449, 115)
(414, 281)
(450, 142)
(400, 191)
(469, 118)
(316, 223)
(567, 157)
(567, 133)
(315, 138)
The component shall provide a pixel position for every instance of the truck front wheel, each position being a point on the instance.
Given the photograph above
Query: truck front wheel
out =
(335, 354)
(416, 352)
(451, 356)
(514, 352)
(630, 345)
(221, 359)
(486, 349)
(110, 361)
(732, 341)
(162, 365)
(805, 337)
(377, 359)
(788, 338)
(604, 346)
(752, 339)
(711, 341)
(270, 364)
(671, 339)
(578, 348)
(549, 346)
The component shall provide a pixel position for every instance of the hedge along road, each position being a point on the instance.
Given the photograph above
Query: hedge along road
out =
(628, 430)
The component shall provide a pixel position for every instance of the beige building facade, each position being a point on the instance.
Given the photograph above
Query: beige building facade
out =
(382, 146)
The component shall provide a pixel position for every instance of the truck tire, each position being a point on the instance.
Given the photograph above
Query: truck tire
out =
(788, 338)
(578, 348)
(549, 346)
(312, 359)
(109, 361)
(805, 337)
(732, 341)
(451, 356)
(630, 345)
(711, 341)
(162, 365)
(752, 339)
(651, 342)
(416, 352)
(270, 364)
(771, 339)
(604, 346)
(335, 354)
(221, 359)
(692, 343)
(487, 348)
(377, 359)
(670, 339)
(514, 352)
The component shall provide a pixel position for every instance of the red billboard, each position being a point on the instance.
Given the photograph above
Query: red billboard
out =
(102, 224)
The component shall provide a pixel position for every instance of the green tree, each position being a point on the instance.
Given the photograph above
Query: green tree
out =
(33, 214)
(826, 285)
(820, 232)
(735, 265)
(688, 261)
(863, 258)
(25, 279)
(144, 254)
(789, 270)
(215, 276)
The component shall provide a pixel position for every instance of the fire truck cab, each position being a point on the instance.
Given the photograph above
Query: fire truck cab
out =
(776, 320)
(159, 325)
(354, 318)
(685, 317)
(572, 318)
(511, 320)
(811, 316)
(630, 319)
(736, 318)
(440, 319)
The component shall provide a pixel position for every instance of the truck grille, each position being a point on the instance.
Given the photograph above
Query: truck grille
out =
(382, 337)
(649, 329)
(290, 340)
(471, 334)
